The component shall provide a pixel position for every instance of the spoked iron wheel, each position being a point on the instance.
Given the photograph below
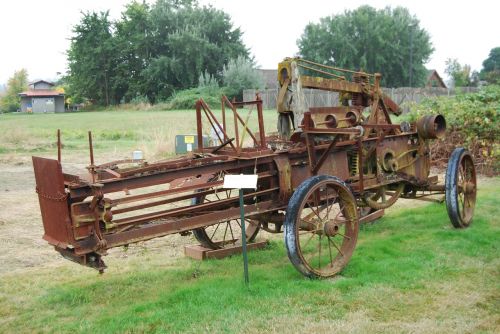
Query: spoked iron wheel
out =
(460, 188)
(321, 226)
(226, 233)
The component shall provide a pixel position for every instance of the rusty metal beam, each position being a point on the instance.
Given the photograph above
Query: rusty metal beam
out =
(114, 185)
(186, 224)
(330, 84)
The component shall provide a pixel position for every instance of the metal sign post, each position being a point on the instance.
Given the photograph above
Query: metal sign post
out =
(242, 182)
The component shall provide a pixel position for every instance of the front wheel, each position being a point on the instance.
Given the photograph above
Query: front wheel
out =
(460, 188)
(321, 226)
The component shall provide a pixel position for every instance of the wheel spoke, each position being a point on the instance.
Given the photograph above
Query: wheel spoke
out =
(344, 236)
(231, 230)
(338, 213)
(312, 231)
(460, 198)
(461, 173)
(215, 231)
(314, 211)
(330, 252)
(225, 232)
(334, 245)
(308, 240)
(327, 205)
(319, 256)
(311, 257)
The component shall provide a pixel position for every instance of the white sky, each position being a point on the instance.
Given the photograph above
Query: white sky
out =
(34, 34)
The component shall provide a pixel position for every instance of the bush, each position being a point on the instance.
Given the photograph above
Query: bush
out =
(186, 99)
(473, 119)
(238, 75)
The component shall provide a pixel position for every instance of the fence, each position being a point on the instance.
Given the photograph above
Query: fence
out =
(318, 98)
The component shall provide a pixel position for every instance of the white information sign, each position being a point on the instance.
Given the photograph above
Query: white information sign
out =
(240, 181)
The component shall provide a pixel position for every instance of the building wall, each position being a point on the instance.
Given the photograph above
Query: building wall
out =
(59, 104)
(25, 103)
(43, 104)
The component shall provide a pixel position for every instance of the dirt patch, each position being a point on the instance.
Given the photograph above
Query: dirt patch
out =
(21, 230)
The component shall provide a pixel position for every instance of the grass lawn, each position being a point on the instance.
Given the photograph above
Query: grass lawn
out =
(410, 273)
(114, 132)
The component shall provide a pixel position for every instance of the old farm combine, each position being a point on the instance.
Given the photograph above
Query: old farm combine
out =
(327, 169)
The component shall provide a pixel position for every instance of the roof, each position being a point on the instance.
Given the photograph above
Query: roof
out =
(429, 75)
(41, 93)
(38, 81)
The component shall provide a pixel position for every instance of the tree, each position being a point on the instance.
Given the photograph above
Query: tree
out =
(92, 59)
(240, 74)
(491, 67)
(460, 75)
(18, 83)
(188, 40)
(133, 39)
(389, 41)
(152, 51)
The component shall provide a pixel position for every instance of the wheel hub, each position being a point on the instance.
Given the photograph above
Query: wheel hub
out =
(331, 228)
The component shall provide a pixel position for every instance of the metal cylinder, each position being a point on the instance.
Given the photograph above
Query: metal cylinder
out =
(431, 126)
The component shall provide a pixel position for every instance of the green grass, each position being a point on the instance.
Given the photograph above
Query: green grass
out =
(411, 272)
(152, 131)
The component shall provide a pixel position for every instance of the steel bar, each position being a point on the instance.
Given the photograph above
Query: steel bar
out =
(325, 155)
(186, 224)
(186, 210)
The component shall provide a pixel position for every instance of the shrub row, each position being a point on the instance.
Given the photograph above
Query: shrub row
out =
(472, 118)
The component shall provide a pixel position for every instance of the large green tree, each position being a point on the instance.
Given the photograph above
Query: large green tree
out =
(18, 83)
(188, 40)
(491, 67)
(151, 51)
(92, 59)
(133, 40)
(389, 41)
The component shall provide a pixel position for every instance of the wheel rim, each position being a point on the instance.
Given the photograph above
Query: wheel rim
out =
(328, 227)
(381, 199)
(466, 189)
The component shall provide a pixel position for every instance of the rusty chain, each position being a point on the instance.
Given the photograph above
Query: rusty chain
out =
(60, 198)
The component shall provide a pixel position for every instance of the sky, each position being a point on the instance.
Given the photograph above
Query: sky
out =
(35, 34)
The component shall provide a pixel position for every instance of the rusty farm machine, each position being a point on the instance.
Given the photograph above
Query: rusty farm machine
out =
(327, 169)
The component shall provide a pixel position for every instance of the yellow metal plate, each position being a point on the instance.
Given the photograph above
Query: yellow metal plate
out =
(189, 139)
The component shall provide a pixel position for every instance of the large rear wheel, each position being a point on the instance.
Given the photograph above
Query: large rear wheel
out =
(321, 226)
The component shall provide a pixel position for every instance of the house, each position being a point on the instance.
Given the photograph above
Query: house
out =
(42, 97)
(434, 80)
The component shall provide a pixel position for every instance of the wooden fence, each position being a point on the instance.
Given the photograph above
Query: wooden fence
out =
(317, 98)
